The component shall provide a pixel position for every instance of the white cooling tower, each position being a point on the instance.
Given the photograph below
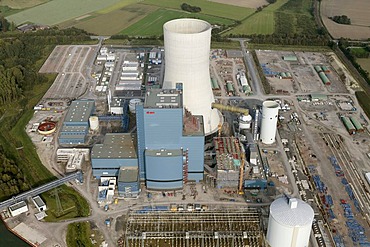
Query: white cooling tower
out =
(270, 110)
(187, 47)
(290, 223)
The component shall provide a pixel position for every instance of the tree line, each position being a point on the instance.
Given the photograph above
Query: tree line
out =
(190, 8)
(341, 19)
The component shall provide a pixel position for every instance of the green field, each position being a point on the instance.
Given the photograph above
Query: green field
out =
(117, 20)
(57, 11)
(365, 63)
(78, 234)
(208, 8)
(262, 22)
(73, 204)
(21, 4)
(152, 24)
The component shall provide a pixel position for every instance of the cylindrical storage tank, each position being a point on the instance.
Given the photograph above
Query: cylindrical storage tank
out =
(270, 110)
(132, 104)
(94, 122)
(245, 122)
(290, 223)
(187, 47)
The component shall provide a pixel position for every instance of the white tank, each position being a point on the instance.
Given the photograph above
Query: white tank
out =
(245, 122)
(187, 47)
(290, 223)
(132, 104)
(94, 122)
(270, 110)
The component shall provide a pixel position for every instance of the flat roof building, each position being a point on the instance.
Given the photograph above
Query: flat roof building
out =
(39, 203)
(18, 208)
(118, 150)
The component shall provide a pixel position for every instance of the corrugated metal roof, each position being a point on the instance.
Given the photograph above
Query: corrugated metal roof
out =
(294, 217)
(79, 111)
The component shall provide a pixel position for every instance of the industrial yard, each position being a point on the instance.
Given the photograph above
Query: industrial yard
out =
(115, 114)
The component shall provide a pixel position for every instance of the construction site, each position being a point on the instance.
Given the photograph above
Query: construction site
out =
(222, 228)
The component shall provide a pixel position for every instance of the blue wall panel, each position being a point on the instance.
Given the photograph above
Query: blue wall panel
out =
(164, 172)
(105, 172)
(163, 128)
(140, 139)
(195, 146)
(112, 163)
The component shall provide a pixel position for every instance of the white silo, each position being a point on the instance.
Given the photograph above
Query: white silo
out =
(187, 47)
(94, 123)
(290, 223)
(270, 110)
(245, 122)
(132, 104)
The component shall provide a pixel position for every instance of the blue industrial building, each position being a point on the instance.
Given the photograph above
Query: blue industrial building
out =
(76, 122)
(128, 182)
(118, 150)
(170, 141)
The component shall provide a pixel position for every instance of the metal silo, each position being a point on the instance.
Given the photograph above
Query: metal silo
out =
(187, 46)
(290, 223)
(270, 110)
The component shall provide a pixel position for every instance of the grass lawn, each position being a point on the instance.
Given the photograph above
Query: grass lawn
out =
(73, 204)
(208, 8)
(58, 11)
(78, 234)
(262, 22)
(152, 24)
(21, 4)
(119, 5)
(117, 20)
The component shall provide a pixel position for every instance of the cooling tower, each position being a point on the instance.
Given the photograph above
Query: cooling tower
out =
(187, 46)
(290, 223)
(270, 111)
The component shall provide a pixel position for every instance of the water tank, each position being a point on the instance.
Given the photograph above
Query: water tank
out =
(290, 223)
(187, 47)
(270, 110)
(245, 122)
(94, 123)
(132, 104)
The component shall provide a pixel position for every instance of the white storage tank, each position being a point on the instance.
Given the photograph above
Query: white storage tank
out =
(187, 47)
(94, 123)
(290, 223)
(132, 104)
(245, 122)
(270, 110)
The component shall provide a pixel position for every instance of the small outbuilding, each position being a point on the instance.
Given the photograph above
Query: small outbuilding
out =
(39, 203)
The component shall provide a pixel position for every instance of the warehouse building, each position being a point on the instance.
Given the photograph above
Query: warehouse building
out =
(170, 139)
(118, 150)
(76, 122)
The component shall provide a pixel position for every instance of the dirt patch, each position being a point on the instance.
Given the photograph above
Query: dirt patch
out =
(242, 3)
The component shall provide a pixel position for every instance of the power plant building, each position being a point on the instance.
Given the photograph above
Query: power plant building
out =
(270, 110)
(76, 122)
(128, 182)
(187, 47)
(170, 140)
(290, 223)
(118, 150)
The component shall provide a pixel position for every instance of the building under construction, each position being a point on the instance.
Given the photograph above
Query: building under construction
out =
(229, 159)
(215, 228)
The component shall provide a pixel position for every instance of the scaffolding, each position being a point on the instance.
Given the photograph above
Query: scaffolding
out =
(229, 160)
(232, 227)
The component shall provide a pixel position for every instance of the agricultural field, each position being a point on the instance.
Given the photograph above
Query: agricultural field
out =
(21, 4)
(152, 24)
(115, 21)
(208, 8)
(365, 63)
(356, 10)
(57, 11)
(262, 22)
(254, 4)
